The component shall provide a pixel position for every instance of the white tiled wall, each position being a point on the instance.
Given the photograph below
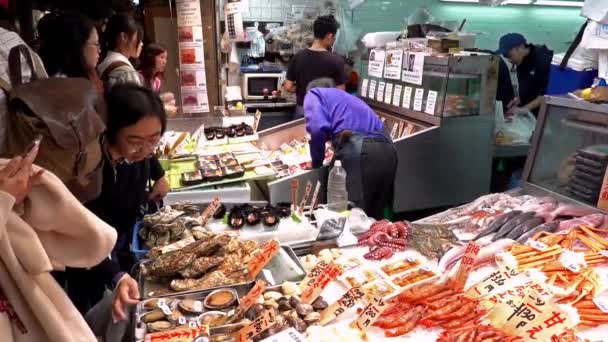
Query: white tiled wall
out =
(271, 10)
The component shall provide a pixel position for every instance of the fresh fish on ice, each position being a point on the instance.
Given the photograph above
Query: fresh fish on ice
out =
(511, 224)
(525, 227)
(548, 227)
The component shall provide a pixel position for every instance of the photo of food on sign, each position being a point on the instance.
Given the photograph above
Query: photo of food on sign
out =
(185, 34)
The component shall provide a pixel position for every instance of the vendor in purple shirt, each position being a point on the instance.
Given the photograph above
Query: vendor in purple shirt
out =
(360, 142)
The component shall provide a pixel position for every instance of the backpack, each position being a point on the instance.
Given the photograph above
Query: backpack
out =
(63, 111)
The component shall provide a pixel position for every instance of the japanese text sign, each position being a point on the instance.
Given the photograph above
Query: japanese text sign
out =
(370, 314)
(466, 265)
(261, 258)
(178, 335)
(347, 301)
(252, 296)
(498, 280)
(261, 324)
(311, 292)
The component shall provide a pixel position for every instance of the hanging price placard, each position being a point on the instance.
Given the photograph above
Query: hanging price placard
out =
(257, 327)
(369, 315)
(312, 291)
(466, 265)
(261, 258)
(347, 301)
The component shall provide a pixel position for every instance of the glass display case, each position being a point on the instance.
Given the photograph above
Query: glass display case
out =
(570, 150)
(454, 85)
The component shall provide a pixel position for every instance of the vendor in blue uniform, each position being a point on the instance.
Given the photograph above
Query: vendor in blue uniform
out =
(358, 136)
(533, 63)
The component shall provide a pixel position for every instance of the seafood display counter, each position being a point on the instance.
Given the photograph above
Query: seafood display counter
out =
(442, 128)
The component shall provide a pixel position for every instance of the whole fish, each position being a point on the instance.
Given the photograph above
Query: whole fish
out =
(512, 224)
(488, 252)
(548, 227)
(497, 224)
(525, 227)
(595, 220)
(451, 257)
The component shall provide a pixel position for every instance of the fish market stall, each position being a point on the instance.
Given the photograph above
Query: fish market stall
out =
(440, 113)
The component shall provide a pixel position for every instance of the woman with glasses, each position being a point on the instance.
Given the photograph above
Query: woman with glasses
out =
(131, 178)
(70, 47)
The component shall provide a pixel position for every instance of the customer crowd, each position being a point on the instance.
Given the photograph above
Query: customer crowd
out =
(75, 267)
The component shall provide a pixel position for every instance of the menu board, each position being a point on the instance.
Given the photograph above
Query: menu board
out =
(193, 78)
(376, 63)
(392, 67)
(413, 68)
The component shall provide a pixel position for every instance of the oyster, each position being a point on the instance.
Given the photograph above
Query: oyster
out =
(200, 266)
(160, 326)
(231, 247)
(213, 279)
(175, 316)
(249, 246)
(164, 216)
(168, 264)
(207, 248)
(185, 234)
(163, 238)
(200, 233)
(187, 207)
(214, 318)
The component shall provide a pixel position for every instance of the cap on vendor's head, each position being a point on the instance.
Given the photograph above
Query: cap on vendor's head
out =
(509, 41)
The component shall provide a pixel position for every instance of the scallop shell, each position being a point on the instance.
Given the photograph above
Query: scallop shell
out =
(208, 316)
(208, 299)
(190, 306)
(160, 326)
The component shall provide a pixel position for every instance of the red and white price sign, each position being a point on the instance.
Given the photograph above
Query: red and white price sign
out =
(311, 292)
(252, 296)
(466, 265)
(370, 314)
(208, 212)
(312, 276)
(347, 301)
(178, 335)
(261, 258)
(257, 327)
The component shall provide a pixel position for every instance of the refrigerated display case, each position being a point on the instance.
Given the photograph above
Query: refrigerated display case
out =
(445, 150)
(569, 151)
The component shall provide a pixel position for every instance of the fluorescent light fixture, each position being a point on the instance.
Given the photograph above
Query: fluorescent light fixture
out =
(555, 3)
(559, 3)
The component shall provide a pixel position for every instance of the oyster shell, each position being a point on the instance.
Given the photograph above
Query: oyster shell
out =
(163, 238)
(200, 233)
(175, 316)
(213, 279)
(168, 264)
(187, 207)
(200, 266)
(160, 326)
(214, 318)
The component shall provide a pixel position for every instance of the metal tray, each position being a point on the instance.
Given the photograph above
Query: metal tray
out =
(201, 295)
(278, 270)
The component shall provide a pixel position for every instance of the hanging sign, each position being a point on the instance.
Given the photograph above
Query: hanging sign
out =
(364, 85)
(397, 95)
(413, 68)
(193, 78)
(392, 67)
(388, 94)
(376, 63)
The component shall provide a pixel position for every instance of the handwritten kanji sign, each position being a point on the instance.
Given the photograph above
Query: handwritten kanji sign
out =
(261, 324)
(178, 335)
(305, 198)
(347, 301)
(495, 282)
(208, 212)
(370, 314)
(262, 257)
(466, 265)
(533, 317)
(252, 296)
(311, 292)
(314, 273)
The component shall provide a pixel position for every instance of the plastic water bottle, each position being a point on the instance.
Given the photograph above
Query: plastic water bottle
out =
(337, 196)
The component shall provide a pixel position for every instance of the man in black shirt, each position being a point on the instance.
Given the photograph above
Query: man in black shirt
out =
(533, 64)
(316, 62)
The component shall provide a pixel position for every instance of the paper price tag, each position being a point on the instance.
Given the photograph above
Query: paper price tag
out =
(192, 324)
(315, 196)
(312, 292)
(397, 95)
(372, 89)
(411, 258)
(186, 333)
(307, 192)
(604, 253)
(601, 303)
(198, 306)
(257, 327)
(161, 302)
(261, 258)
(497, 281)
(418, 99)
(394, 131)
(364, 85)
(347, 301)
(252, 296)
(369, 315)
(466, 265)
(380, 95)
(573, 261)
(165, 309)
(539, 246)
(431, 101)
(182, 320)
(407, 97)
(388, 96)
(312, 276)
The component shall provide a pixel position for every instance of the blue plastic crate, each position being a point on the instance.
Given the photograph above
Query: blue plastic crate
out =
(568, 80)
(139, 251)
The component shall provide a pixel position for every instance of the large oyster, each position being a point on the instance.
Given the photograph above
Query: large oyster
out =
(201, 266)
(168, 264)
(188, 208)
(210, 280)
